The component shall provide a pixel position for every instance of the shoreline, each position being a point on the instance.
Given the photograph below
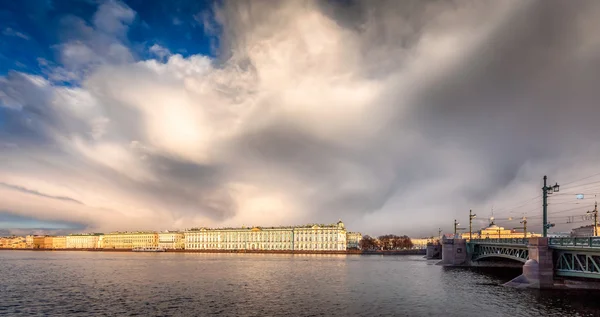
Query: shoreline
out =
(345, 252)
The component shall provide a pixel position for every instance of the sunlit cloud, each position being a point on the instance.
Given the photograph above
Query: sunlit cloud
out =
(310, 112)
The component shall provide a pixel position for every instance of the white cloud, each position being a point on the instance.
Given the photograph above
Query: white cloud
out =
(102, 43)
(159, 51)
(11, 32)
(113, 17)
(311, 118)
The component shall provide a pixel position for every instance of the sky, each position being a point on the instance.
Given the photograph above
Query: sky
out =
(396, 117)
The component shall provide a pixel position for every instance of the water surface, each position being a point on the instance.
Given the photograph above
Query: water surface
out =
(34, 283)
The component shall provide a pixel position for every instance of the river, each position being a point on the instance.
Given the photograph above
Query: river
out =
(37, 283)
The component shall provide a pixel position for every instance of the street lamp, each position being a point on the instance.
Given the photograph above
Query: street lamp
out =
(456, 228)
(547, 190)
(456, 224)
(524, 222)
(471, 216)
(595, 213)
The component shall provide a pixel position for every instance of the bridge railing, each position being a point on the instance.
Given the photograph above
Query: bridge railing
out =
(585, 242)
(501, 241)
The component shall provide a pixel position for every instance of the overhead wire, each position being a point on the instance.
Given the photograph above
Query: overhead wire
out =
(581, 179)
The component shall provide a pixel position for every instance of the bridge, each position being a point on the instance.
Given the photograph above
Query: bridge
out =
(546, 261)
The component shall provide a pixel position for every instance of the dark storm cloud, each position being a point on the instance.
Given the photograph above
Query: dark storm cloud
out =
(34, 192)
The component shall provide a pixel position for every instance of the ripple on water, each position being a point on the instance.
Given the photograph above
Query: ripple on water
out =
(134, 284)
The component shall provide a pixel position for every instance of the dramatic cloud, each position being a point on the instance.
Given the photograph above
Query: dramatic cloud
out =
(396, 117)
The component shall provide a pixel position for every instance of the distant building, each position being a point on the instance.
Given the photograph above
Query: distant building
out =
(47, 242)
(309, 237)
(495, 232)
(559, 234)
(171, 240)
(421, 243)
(13, 242)
(84, 241)
(130, 240)
(59, 242)
(38, 242)
(29, 241)
(585, 231)
(353, 240)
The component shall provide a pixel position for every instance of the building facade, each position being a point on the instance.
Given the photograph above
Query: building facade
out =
(585, 231)
(495, 232)
(13, 242)
(353, 240)
(130, 240)
(47, 242)
(29, 241)
(59, 242)
(171, 240)
(38, 242)
(309, 237)
(421, 243)
(84, 241)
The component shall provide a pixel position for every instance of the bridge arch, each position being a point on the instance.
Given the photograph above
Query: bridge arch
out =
(488, 251)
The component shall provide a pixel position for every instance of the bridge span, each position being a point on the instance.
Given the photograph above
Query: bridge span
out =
(547, 262)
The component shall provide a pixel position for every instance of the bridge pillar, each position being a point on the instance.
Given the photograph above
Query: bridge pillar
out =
(539, 251)
(434, 251)
(454, 252)
(538, 271)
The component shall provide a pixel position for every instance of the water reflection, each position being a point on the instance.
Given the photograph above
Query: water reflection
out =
(165, 284)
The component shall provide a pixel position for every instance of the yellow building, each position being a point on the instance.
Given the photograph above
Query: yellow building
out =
(59, 242)
(38, 242)
(171, 240)
(309, 237)
(495, 232)
(29, 241)
(421, 243)
(47, 242)
(13, 242)
(84, 241)
(130, 240)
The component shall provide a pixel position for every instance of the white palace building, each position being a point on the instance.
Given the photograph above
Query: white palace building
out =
(332, 237)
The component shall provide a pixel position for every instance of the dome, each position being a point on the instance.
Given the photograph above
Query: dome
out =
(340, 224)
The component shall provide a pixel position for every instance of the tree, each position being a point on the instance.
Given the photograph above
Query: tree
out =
(367, 243)
(405, 242)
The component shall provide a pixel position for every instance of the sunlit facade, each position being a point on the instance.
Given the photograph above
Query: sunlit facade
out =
(171, 240)
(421, 243)
(495, 232)
(84, 241)
(130, 240)
(310, 237)
(59, 242)
(47, 242)
(38, 242)
(29, 241)
(13, 242)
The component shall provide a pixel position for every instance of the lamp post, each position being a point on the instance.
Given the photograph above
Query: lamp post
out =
(456, 224)
(456, 228)
(547, 190)
(471, 216)
(524, 222)
(595, 212)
